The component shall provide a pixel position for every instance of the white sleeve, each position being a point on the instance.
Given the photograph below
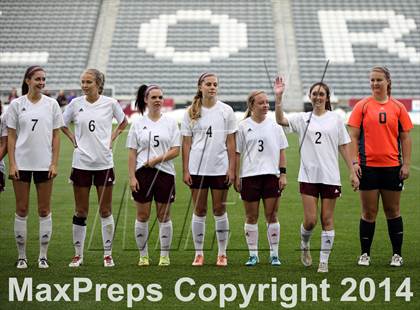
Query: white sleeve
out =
(117, 111)
(239, 140)
(176, 136)
(283, 140)
(58, 121)
(132, 137)
(68, 114)
(293, 122)
(12, 115)
(185, 125)
(231, 122)
(3, 128)
(343, 135)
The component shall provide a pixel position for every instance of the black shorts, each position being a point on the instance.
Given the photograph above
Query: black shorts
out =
(387, 178)
(209, 181)
(85, 178)
(39, 176)
(326, 191)
(2, 181)
(254, 188)
(154, 184)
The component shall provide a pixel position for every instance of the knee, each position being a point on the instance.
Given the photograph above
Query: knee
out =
(43, 212)
(392, 213)
(105, 213)
(251, 219)
(22, 211)
(271, 218)
(309, 224)
(369, 215)
(163, 217)
(327, 222)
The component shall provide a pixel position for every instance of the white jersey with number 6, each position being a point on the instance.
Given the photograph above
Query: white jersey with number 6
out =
(152, 139)
(259, 145)
(34, 124)
(319, 152)
(3, 133)
(208, 155)
(93, 131)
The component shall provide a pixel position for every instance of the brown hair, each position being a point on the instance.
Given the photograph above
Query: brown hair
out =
(194, 110)
(28, 75)
(327, 90)
(250, 101)
(387, 74)
(142, 94)
(99, 78)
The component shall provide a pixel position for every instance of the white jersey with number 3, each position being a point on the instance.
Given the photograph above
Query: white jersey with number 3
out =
(259, 145)
(34, 124)
(208, 155)
(93, 131)
(152, 139)
(319, 152)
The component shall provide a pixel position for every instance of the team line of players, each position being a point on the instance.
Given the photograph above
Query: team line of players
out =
(216, 153)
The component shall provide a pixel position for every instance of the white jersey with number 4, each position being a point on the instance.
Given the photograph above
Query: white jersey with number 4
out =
(319, 152)
(34, 124)
(93, 131)
(152, 139)
(259, 145)
(3, 133)
(208, 155)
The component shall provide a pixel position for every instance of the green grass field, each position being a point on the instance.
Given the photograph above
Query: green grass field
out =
(210, 281)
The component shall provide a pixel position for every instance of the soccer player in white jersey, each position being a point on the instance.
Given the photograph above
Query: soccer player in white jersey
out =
(33, 124)
(153, 141)
(261, 144)
(3, 147)
(322, 134)
(208, 159)
(92, 115)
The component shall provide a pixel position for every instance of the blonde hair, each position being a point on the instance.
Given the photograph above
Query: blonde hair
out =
(99, 78)
(387, 74)
(250, 101)
(194, 110)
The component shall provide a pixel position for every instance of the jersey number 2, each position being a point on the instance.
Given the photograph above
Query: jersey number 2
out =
(317, 141)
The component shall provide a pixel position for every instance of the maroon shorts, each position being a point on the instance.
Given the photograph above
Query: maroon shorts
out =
(2, 182)
(85, 178)
(319, 189)
(154, 185)
(259, 187)
(39, 176)
(209, 181)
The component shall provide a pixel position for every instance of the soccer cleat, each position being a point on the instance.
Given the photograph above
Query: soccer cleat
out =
(198, 260)
(221, 261)
(43, 263)
(274, 261)
(22, 263)
(396, 261)
(164, 261)
(364, 260)
(323, 267)
(77, 261)
(252, 261)
(108, 261)
(144, 261)
(305, 256)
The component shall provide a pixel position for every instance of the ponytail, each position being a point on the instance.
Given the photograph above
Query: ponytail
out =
(28, 74)
(250, 102)
(194, 110)
(142, 94)
(99, 79)
(387, 74)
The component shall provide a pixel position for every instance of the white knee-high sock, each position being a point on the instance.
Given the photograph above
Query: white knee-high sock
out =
(79, 234)
(198, 228)
(327, 240)
(165, 236)
(20, 235)
(305, 236)
(222, 233)
(273, 236)
(251, 236)
(142, 235)
(45, 231)
(107, 233)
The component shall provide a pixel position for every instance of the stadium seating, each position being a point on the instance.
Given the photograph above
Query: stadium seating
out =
(54, 34)
(355, 36)
(172, 42)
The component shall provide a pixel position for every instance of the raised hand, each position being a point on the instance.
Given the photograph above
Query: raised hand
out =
(279, 86)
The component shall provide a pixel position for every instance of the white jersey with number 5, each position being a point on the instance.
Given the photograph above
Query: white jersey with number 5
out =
(93, 131)
(34, 124)
(319, 152)
(259, 145)
(3, 133)
(208, 155)
(152, 139)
